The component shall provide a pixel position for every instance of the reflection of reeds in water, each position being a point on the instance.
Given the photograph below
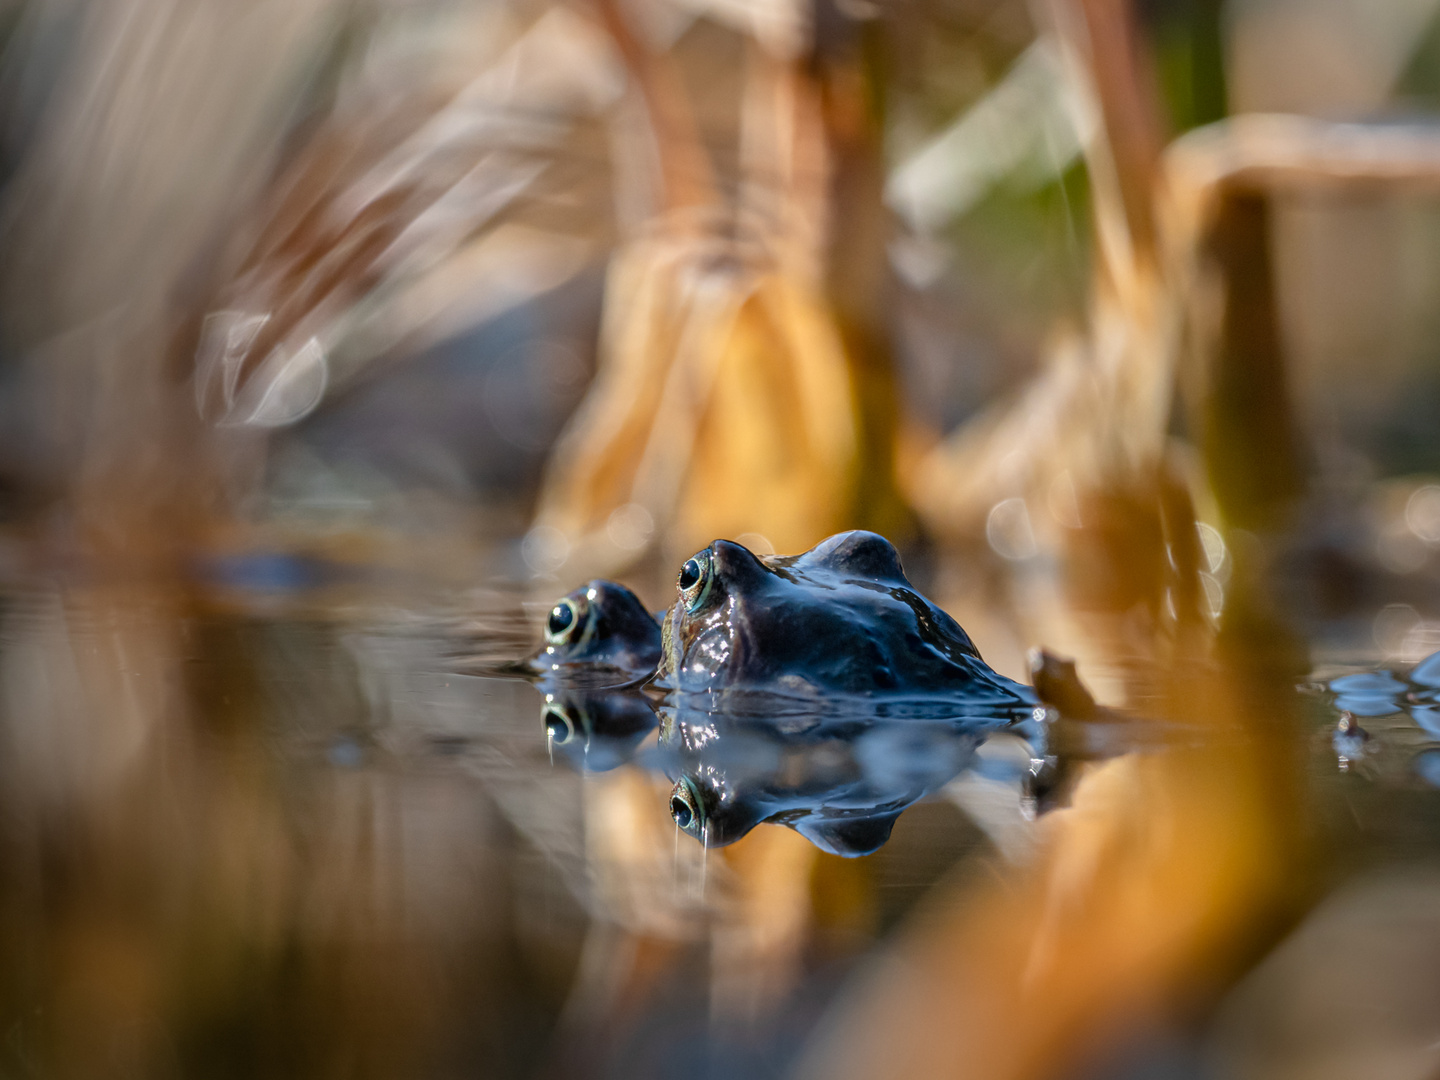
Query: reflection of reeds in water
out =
(243, 844)
(178, 896)
(654, 891)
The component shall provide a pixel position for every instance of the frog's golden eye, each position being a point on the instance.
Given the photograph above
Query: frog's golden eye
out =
(559, 724)
(564, 622)
(695, 580)
(685, 806)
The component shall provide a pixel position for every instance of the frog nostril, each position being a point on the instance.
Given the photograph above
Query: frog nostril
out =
(689, 574)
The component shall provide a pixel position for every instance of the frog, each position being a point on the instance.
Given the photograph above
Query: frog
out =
(599, 634)
(839, 619)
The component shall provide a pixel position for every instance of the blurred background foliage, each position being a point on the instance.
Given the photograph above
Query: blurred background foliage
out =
(332, 332)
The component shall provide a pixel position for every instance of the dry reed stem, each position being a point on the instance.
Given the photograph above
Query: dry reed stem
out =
(722, 404)
(1144, 891)
(1097, 414)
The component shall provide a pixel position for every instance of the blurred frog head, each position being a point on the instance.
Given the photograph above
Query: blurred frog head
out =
(601, 628)
(596, 729)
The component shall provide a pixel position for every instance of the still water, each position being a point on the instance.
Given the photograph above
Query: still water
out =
(288, 821)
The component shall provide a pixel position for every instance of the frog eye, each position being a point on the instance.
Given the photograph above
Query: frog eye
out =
(563, 623)
(559, 724)
(685, 806)
(695, 580)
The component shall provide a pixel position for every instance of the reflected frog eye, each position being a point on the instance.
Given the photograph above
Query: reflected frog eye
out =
(559, 725)
(695, 578)
(563, 622)
(685, 806)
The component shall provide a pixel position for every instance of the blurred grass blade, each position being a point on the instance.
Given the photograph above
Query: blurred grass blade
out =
(382, 202)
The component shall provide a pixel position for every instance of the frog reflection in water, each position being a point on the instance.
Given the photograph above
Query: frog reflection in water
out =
(841, 780)
(597, 728)
(820, 690)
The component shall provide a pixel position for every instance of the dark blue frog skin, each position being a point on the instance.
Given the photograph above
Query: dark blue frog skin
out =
(602, 633)
(840, 619)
